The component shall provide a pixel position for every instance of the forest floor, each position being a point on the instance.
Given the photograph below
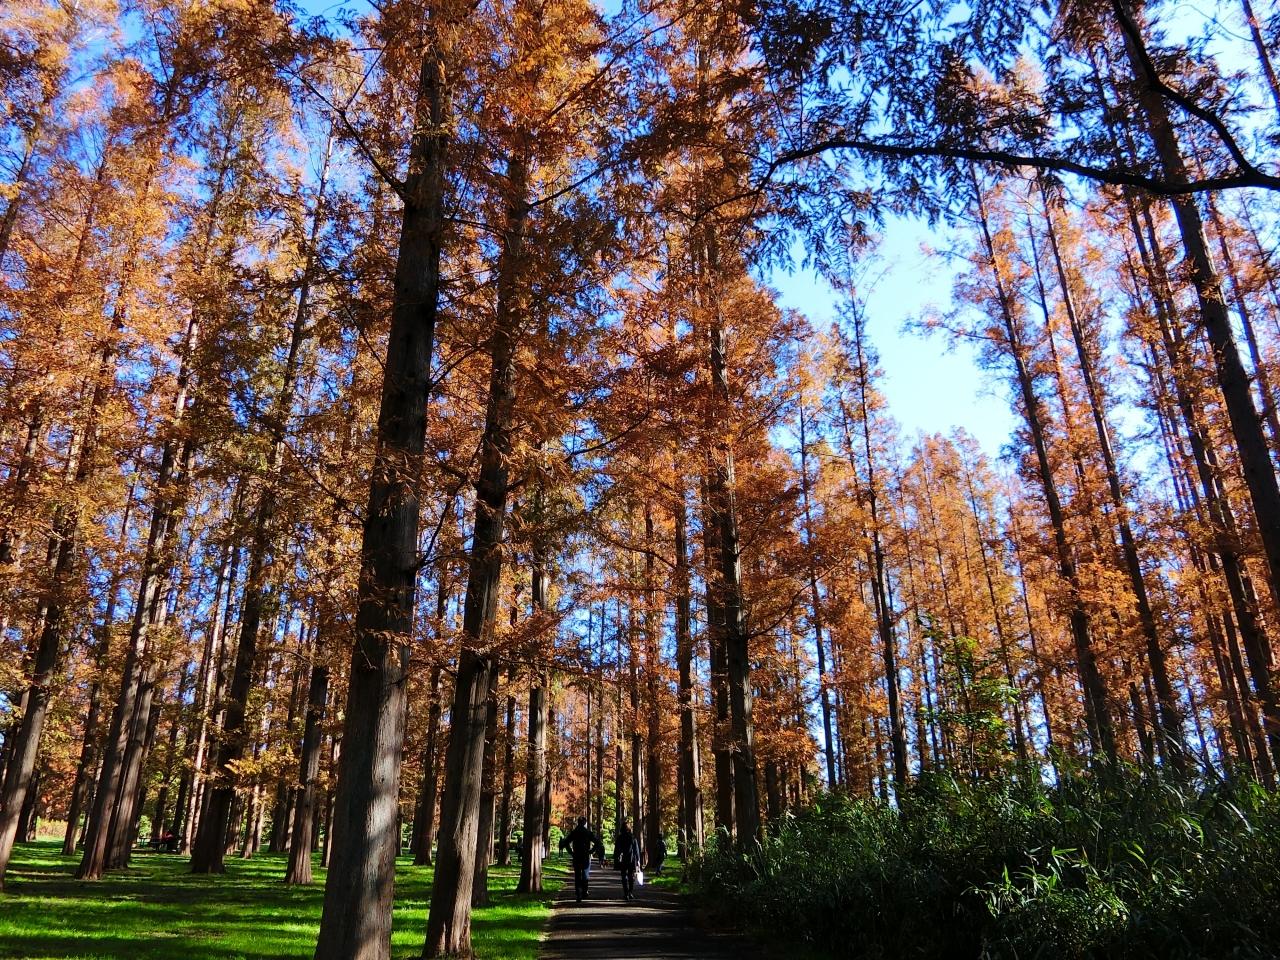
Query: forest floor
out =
(159, 910)
(657, 925)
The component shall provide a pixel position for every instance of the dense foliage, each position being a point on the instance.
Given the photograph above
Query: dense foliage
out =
(1125, 865)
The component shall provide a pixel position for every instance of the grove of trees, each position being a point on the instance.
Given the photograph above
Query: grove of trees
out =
(403, 450)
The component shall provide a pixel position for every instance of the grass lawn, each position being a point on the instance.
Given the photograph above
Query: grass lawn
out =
(158, 910)
(671, 878)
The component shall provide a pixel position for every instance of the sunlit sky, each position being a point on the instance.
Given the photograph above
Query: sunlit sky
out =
(930, 387)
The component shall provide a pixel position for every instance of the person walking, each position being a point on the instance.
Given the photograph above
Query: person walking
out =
(626, 858)
(581, 843)
(659, 856)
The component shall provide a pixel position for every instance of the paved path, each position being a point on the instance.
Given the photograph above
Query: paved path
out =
(655, 926)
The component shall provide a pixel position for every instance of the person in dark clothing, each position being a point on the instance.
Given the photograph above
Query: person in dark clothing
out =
(581, 843)
(626, 857)
(659, 855)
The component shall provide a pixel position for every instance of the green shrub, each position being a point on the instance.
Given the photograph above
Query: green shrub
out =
(1123, 865)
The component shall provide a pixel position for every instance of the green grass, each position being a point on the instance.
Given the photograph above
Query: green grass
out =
(158, 910)
(671, 878)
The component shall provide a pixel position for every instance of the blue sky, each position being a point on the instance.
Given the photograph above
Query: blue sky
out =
(930, 387)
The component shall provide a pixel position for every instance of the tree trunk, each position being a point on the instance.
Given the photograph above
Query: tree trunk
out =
(488, 798)
(206, 854)
(10, 218)
(1208, 470)
(81, 795)
(879, 583)
(362, 841)
(422, 838)
(535, 785)
(690, 758)
(304, 816)
(82, 466)
(1264, 55)
(815, 607)
(724, 817)
(508, 776)
(1246, 425)
(449, 918)
(1168, 719)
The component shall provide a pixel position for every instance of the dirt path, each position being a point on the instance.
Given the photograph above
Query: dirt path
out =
(655, 926)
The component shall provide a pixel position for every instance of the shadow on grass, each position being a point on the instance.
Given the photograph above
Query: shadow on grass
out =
(159, 910)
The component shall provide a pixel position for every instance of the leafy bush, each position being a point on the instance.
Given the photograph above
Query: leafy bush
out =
(1123, 865)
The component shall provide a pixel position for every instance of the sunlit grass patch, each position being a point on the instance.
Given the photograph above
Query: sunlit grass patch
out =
(159, 910)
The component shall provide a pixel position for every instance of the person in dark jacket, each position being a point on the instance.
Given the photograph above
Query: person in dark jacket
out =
(626, 857)
(659, 855)
(581, 843)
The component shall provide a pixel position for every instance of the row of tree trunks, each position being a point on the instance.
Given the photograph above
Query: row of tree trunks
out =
(106, 833)
(1169, 715)
(1246, 424)
(1097, 710)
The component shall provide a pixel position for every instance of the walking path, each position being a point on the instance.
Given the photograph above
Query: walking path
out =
(655, 926)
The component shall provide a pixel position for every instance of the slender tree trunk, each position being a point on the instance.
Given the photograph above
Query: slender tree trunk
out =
(537, 788)
(619, 788)
(879, 584)
(535, 785)
(206, 854)
(18, 188)
(66, 570)
(690, 757)
(1264, 55)
(449, 918)
(815, 607)
(1266, 396)
(1208, 472)
(307, 795)
(81, 795)
(508, 775)
(210, 684)
(737, 655)
(118, 774)
(636, 753)
(488, 799)
(653, 717)
(1246, 425)
(724, 818)
(422, 839)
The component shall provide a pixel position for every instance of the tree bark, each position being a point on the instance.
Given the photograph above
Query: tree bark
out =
(724, 817)
(690, 758)
(449, 918)
(66, 569)
(81, 795)
(535, 785)
(508, 776)
(422, 838)
(304, 817)
(488, 798)
(356, 919)
(1246, 425)
(815, 608)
